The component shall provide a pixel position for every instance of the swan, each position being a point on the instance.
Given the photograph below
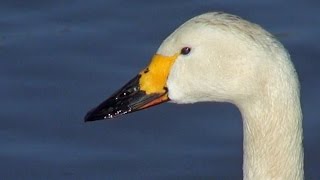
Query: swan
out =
(222, 58)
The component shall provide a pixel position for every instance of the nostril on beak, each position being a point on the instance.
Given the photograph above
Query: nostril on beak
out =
(128, 92)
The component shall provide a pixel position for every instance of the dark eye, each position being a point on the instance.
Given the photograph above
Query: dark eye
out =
(185, 50)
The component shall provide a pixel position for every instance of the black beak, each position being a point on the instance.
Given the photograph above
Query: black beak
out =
(128, 99)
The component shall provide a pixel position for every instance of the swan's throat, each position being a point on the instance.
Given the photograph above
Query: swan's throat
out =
(273, 138)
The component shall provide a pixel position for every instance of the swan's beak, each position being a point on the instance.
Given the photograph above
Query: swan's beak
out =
(147, 89)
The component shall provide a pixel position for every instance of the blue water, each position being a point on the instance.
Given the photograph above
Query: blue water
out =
(61, 58)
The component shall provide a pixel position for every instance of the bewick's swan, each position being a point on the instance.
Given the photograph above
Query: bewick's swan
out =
(222, 58)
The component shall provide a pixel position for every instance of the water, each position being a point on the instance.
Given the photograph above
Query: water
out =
(59, 59)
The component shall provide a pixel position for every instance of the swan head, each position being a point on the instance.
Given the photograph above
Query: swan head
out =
(212, 57)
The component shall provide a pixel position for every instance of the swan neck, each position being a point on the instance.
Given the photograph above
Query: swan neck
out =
(273, 137)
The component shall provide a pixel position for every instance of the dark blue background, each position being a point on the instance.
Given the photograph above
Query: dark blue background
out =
(58, 59)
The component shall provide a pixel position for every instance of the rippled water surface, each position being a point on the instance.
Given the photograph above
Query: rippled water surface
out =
(61, 58)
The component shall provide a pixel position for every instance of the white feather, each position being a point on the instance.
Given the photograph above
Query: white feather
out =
(233, 60)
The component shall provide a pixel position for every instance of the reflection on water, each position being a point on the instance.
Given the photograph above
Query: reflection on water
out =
(59, 59)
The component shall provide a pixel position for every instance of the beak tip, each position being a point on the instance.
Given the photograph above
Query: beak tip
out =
(91, 116)
(88, 117)
(96, 114)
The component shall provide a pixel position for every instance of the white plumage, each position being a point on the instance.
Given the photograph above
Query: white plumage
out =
(223, 58)
(233, 60)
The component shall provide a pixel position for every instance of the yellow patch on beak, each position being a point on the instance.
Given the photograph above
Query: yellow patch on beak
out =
(153, 79)
(143, 91)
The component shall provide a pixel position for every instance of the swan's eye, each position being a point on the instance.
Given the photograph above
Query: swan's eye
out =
(185, 50)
